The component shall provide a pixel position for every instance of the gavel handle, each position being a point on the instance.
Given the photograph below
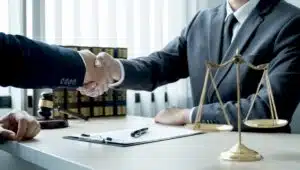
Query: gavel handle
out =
(74, 114)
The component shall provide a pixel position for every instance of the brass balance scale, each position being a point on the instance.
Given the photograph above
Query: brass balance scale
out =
(238, 152)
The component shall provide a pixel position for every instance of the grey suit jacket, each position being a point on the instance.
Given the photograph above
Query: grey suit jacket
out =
(271, 34)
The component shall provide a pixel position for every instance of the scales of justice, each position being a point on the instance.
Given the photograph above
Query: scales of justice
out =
(238, 152)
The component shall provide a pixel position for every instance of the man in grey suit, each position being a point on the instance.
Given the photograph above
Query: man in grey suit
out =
(265, 31)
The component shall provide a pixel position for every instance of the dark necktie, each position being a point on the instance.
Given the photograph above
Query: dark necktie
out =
(226, 41)
(227, 33)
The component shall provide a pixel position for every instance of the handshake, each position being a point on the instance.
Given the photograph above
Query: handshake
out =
(101, 72)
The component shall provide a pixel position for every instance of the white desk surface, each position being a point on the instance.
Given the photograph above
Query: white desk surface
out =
(200, 152)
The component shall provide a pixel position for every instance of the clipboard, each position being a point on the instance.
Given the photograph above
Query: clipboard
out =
(123, 138)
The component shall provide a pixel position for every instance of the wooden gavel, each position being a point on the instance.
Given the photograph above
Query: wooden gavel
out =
(46, 109)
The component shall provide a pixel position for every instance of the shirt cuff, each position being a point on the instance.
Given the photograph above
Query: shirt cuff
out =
(82, 58)
(189, 115)
(122, 75)
(84, 66)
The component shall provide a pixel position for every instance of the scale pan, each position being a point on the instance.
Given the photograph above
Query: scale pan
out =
(204, 127)
(266, 123)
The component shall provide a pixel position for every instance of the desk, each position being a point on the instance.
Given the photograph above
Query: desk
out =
(200, 152)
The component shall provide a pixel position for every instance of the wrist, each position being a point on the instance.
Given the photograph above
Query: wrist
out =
(117, 73)
(186, 115)
(85, 78)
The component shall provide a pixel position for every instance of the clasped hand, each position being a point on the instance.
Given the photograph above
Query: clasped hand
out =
(101, 71)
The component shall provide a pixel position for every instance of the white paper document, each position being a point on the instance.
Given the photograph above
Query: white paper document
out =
(123, 137)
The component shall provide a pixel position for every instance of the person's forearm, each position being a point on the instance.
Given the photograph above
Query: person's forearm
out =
(31, 64)
(148, 73)
(213, 113)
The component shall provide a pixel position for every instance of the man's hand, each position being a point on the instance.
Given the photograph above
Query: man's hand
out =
(110, 70)
(19, 125)
(172, 116)
(111, 65)
(94, 70)
(97, 76)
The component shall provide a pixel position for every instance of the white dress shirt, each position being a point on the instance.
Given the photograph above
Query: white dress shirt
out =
(122, 76)
(241, 15)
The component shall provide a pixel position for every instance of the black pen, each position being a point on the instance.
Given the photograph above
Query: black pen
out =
(106, 139)
(139, 132)
(85, 135)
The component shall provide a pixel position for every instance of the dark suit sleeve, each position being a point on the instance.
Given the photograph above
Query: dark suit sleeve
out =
(159, 68)
(284, 74)
(26, 63)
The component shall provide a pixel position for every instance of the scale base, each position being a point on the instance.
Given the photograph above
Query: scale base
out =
(204, 127)
(241, 153)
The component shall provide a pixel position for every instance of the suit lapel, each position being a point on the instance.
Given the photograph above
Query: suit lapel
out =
(215, 33)
(243, 36)
(215, 38)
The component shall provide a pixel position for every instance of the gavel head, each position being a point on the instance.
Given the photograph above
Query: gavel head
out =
(46, 105)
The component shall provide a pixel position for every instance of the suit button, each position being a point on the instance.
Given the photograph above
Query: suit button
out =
(62, 81)
(67, 82)
(71, 82)
(74, 82)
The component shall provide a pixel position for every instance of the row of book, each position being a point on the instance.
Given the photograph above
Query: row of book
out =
(111, 103)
